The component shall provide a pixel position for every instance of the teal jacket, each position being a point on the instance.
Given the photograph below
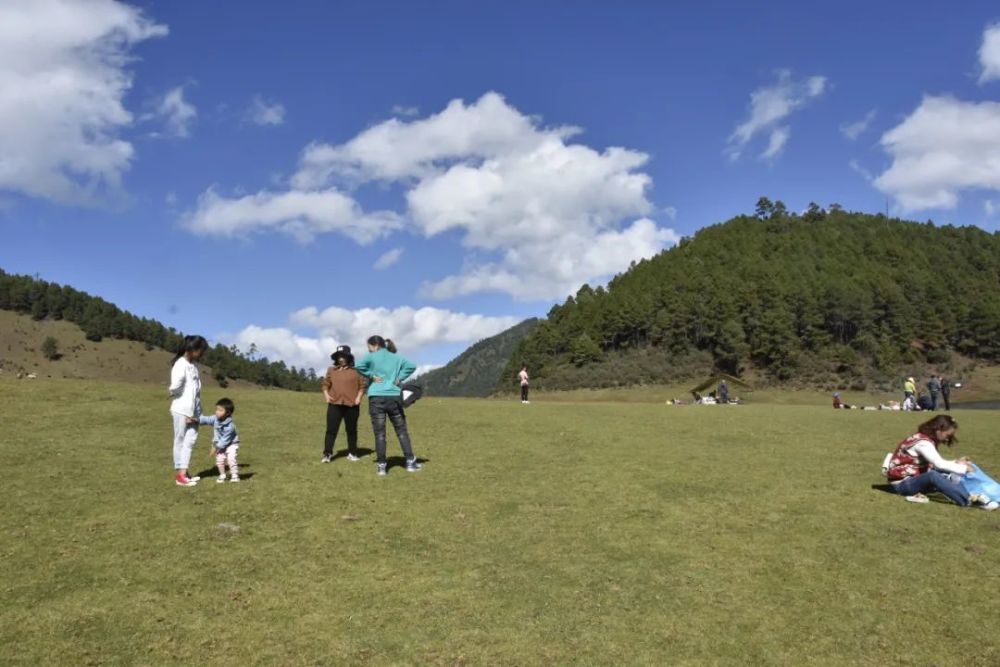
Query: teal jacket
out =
(390, 368)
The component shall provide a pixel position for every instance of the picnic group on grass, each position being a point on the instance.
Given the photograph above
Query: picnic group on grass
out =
(938, 393)
(381, 374)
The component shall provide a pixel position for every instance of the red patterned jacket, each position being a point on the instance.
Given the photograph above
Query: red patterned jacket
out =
(903, 464)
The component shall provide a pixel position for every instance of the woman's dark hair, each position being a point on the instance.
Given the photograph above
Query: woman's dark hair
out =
(190, 344)
(389, 345)
(377, 341)
(931, 427)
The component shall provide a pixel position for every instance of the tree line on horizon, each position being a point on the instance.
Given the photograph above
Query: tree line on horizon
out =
(100, 319)
(828, 297)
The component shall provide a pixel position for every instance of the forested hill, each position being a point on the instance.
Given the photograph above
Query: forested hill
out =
(476, 372)
(99, 319)
(828, 297)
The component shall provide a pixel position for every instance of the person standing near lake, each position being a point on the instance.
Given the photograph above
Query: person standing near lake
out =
(185, 409)
(524, 380)
(934, 387)
(946, 393)
(385, 373)
(343, 389)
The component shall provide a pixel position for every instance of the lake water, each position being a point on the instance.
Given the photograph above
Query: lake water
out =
(977, 405)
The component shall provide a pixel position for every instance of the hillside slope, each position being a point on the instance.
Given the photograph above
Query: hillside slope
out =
(21, 340)
(476, 372)
(100, 320)
(825, 299)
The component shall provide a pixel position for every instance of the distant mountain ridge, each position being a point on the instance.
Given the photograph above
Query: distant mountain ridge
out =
(477, 371)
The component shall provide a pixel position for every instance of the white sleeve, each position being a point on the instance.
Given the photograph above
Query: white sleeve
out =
(929, 453)
(177, 376)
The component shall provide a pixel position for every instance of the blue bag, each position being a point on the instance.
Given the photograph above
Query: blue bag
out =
(979, 482)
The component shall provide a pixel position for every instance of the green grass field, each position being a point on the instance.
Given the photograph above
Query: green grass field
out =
(556, 533)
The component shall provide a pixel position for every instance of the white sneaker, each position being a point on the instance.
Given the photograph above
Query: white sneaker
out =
(918, 498)
(352, 457)
(234, 478)
(221, 479)
(989, 507)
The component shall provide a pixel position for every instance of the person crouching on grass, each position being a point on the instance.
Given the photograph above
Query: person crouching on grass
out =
(225, 439)
(343, 389)
(185, 389)
(916, 466)
(385, 373)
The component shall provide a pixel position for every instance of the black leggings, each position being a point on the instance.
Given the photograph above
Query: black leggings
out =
(334, 415)
(380, 407)
(524, 392)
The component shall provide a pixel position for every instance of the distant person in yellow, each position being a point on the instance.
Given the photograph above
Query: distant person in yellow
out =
(909, 389)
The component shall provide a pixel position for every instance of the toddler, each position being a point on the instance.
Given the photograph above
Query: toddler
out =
(225, 439)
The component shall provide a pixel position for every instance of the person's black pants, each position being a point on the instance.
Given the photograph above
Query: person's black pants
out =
(524, 392)
(391, 407)
(334, 415)
(947, 401)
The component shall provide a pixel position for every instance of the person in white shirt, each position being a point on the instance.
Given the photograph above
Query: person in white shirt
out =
(185, 390)
(917, 467)
(523, 378)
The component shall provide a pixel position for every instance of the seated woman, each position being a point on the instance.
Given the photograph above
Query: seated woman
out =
(838, 404)
(916, 466)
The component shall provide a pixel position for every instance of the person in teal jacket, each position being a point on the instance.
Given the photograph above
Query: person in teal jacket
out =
(385, 372)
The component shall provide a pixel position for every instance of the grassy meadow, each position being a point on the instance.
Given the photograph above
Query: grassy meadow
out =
(556, 533)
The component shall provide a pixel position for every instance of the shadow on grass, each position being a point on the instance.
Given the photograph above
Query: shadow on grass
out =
(400, 462)
(214, 472)
(361, 451)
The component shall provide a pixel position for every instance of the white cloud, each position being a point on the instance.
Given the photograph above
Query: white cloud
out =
(388, 259)
(63, 77)
(262, 112)
(412, 329)
(542, 215)
(989, 54)
(865, 173)
(943, 147)
(398, 150)
(176, 113)
(534, 271)
(854, 130)
(283, 344)
(776, 144)
(400, 110)
(770, 105)
(424, 369)
(299, 214)
(990, 208)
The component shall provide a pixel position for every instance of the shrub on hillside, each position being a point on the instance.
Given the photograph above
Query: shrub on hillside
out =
(50, 348)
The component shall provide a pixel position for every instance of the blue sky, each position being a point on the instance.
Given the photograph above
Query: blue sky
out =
(234, 169)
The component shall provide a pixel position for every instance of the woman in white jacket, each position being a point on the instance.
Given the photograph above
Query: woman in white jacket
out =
(185, 389)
